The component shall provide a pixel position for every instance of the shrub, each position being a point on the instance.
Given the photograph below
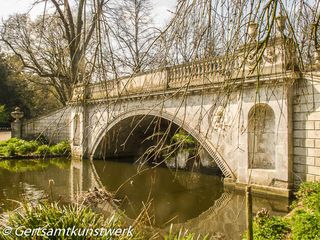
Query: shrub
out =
(60, 148)
(4, 115)
(308, 188)
(43, 150)
(13, 140)
(306, 225)
(16, 146)
(302, 223)
(271, 228)
(185, 141)
(308, 196)
(9, 150)
(306, 217)
(11, 147)
(26, 147)
(3, 143)
(183, 137)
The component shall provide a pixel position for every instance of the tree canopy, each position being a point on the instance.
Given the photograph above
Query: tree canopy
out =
(76, 42)
(17, 88)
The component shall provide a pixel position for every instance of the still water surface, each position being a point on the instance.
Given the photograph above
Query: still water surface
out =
(197, 201)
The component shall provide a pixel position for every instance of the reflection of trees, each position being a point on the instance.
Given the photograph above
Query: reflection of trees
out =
(176, 195)
(27, 180)
(60, 163)
(30, 165)
(20, 166)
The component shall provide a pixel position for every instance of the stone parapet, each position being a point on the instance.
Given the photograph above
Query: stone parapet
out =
(55, 126)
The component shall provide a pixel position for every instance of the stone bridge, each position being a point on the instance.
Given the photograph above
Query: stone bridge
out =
(248, 117)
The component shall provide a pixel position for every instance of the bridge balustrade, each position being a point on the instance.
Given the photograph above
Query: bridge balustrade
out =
(250, 61)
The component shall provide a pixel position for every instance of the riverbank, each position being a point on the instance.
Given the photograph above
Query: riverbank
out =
(77, 221)
(302, 222)
(15, 148)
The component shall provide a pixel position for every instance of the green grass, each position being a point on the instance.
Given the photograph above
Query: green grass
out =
(18, 147)
(53, 216)
(46, 215)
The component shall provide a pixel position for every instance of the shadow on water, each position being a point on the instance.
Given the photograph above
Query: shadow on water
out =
(177, 195)
(196, 201)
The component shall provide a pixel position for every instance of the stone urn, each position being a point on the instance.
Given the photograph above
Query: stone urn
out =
(17, 114)
(16, 126)
(253, 30)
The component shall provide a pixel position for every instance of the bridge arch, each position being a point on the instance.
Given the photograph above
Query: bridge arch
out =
(222, 164)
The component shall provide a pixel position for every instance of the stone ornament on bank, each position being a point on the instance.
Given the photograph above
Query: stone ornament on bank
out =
(17, 114)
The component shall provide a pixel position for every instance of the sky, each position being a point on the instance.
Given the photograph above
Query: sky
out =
(9, 7)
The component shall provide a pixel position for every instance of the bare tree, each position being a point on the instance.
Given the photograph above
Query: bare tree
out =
(132, 34)
(55, 46)
(205, 28)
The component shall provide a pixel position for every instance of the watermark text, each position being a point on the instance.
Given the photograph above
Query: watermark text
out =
(22, 231)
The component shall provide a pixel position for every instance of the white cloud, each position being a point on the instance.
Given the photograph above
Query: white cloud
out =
(162, 10)
(9, 7)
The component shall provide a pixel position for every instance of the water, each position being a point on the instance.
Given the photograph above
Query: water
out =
(197, 201)
(177, 195)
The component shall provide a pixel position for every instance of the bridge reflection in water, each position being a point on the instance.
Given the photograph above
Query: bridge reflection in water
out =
(193, 200)
(196, 201)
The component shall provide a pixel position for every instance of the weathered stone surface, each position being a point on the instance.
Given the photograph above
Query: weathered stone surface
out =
(310, 161)
(213, 119)
(55, 126)
(313, 170)
(310, 178)
(216, 109)
(306, 119)
(317, 162)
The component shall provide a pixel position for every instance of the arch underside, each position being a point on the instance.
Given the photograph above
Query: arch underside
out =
(221, 163)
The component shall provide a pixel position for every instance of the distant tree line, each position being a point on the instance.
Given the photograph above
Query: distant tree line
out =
(17, 89)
